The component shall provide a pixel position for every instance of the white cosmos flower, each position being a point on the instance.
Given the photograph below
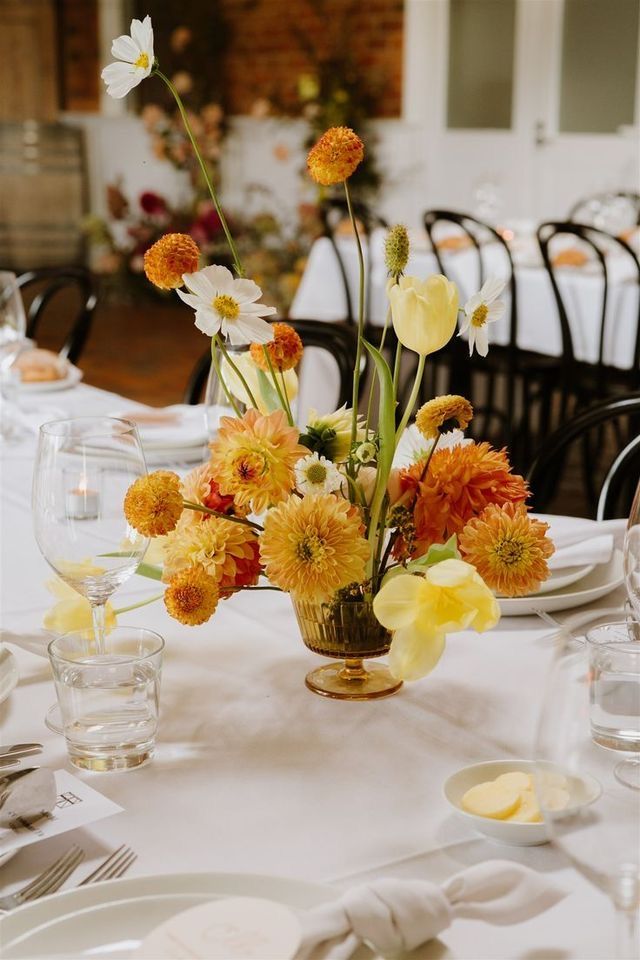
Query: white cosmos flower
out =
(412, 446)
(315, 475)
(222, 302)
(134, 59)
(480, 309)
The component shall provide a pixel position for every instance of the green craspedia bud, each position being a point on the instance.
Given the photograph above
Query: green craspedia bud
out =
(396, 249)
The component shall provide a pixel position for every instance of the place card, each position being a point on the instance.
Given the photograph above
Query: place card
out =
(77, 805)
(237, 928)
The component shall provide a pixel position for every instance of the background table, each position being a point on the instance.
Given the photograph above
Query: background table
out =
(255, 774)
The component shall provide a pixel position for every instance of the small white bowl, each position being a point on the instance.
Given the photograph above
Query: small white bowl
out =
(583, 791)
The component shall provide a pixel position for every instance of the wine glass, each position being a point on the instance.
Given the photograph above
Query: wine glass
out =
(632, 555)
(588, 708)
(82, 472)
(13, 321)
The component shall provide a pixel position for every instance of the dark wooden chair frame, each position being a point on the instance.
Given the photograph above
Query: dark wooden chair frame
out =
(53, 280)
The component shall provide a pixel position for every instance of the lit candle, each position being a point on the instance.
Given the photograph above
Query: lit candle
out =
(83, 503)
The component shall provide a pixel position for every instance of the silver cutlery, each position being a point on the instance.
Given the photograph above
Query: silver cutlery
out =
(19, 750)
(115, 865)
(26, 794)
(47, 882)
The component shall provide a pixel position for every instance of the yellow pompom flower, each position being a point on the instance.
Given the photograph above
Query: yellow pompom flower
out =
(422, 609)
(170, 257)
(335, 156)
(253, 458)
(285, 350)
(224, 549)
(424, 312)
(73, 611)
(153, 504)
(508, 548)
(191, 597)
(313, 546)
(443, 414)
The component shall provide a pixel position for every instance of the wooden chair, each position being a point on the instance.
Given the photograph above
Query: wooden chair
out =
(48, 282)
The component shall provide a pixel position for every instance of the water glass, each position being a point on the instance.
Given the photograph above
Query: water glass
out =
(614, 687)
(108, 701)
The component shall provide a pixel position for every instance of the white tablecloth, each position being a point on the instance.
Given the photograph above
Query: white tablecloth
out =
(255, 774)
(321, 296)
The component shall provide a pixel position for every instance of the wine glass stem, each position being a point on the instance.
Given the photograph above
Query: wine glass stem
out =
(626, 896)
(98, 616)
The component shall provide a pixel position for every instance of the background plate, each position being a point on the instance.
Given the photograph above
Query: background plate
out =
(74, 376)
(602, 580)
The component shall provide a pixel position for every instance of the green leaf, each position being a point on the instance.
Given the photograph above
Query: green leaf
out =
(436, 553)
(148, 570)
(269, 392)
(386, 434)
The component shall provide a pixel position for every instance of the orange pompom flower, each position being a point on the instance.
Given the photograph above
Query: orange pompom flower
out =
(335, 156)
(443, 414)
(153, 504)
(191, 597)
(285, 350)
(508, 548)
(460, 482)
(225, 549)
(170, 257)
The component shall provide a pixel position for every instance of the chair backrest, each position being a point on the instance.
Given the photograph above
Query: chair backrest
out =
(602, 208)
(621, 477)
(600, 244)
(49, 282)
(335, 339)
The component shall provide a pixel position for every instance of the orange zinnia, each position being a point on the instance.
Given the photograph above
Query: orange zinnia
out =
(153, 504)
(284, 351)
(170, 257)
(508, 548)
(460, 482)
(335, 156)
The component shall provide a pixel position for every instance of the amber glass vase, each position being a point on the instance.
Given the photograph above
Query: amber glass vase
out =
(348, 632)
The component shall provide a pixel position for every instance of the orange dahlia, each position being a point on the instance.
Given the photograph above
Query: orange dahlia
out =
(335, 156)
(153, 504)
(225, 549)
(285, 350)
(191, 597)
(252, 458)
(460, 482)
(198, 486)
(170, 257)
(508, 548)
(313, 546)
(443, 414)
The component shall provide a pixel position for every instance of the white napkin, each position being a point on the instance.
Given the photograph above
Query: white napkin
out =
(396, 916)
(578, 542)
(168, 428)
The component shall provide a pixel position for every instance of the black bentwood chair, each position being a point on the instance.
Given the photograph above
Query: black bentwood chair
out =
(47, 284)
(617, 425)
(337, 339)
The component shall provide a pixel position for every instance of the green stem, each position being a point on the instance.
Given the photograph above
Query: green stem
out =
(373, 379)
(216, 367)
(428, 460)
(205, 172)
(142, 603)
(188, 505)
(225, 353)
(396, 369)
(356, 372)
(286, 398)
(283, 399)
(412, 399)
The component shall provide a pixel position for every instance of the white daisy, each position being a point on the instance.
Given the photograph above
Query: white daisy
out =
(480, 309)
(134, 59)
(315, 475)
(222, 302)
(413, 447)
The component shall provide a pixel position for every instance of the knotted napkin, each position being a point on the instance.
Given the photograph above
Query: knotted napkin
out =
(396, 916)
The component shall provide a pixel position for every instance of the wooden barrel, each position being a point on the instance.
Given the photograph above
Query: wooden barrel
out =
(42, 194)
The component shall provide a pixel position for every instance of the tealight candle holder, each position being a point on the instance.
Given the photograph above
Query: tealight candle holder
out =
(82, 502)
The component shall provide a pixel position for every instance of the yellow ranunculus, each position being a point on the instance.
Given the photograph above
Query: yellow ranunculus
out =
(249, 371)
(72, 611)
(422, 609)
(424, 312)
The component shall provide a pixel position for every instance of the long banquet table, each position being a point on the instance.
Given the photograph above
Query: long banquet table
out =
(255, 774)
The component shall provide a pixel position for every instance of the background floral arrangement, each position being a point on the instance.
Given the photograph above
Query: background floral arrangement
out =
(418, 521)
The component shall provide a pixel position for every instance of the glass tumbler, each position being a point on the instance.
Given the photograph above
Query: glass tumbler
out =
(108, 701)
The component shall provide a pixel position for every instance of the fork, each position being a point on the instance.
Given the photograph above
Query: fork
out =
(47, 882)
(115, 865)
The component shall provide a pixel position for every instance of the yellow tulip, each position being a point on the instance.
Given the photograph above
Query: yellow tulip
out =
(421, 609)
(73, 611)
(424, 312)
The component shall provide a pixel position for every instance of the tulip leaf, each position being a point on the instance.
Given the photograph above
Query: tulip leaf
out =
(268, 392)
(143, 569)
(386, 434)
(436, 553)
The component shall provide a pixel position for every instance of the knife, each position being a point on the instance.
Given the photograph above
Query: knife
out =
(9, 753)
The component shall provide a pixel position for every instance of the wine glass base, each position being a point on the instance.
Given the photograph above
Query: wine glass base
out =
(628, 773)
(53, 719)
(351, 680)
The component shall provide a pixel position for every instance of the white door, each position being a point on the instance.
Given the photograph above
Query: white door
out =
(528, 105)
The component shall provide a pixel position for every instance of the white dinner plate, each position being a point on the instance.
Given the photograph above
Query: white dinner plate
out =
(73, 377)
(8, 672)
(564, 578)
(110, 920)
(603, 579)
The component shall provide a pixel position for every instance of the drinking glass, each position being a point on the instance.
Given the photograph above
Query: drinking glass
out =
(13, 321)
(632, 555)
(82, 472)
(215, 399)
(108, 701)
(584, 707)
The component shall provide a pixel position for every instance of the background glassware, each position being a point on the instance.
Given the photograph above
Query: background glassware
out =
(108, 701)
(13, 320)
(632, 555)
(11, 427)
(601, 840)
(215, 398)
(82, 472)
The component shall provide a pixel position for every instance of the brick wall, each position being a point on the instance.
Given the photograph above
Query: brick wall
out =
(265, 55)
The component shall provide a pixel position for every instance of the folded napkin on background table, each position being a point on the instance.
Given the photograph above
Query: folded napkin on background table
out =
(396, 916)
(171, 428)
(581, 541)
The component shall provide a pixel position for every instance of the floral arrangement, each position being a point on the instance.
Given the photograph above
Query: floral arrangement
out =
(417, 521)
